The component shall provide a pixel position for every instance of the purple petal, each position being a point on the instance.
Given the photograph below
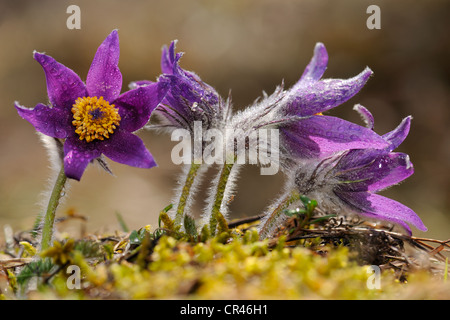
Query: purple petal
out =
(53, 122)
(299, 145)
(169, 60)
(320, 96)
(366, 115)
(399, 134)
(189, 100)
(359, 158)
(77, 155)
(317, 66)
(135, 106)
(139, 83)
(373, 172)
(127, 148)
(104, 78)
(379, 207)
(183, 89)
(333, 134)
(64, 86)
(392, 170)
(189, 97)
(170, 67)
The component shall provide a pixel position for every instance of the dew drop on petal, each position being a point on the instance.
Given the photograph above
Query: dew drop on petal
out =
(69, 157)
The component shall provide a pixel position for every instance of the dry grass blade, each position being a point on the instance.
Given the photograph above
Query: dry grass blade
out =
(13, 263)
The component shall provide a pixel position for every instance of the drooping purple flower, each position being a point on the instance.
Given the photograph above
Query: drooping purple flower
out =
(93, 117)
(194, 107)
(304, 131)
(350, 180)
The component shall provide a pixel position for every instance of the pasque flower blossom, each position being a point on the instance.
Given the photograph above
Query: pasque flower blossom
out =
(189, 99)
(190, 106)
(93, 118)
(305, 132)
(347, 182)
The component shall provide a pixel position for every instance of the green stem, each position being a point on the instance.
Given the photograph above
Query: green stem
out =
(283, 205)
(185, 192)
(49, 219)
(220, 192)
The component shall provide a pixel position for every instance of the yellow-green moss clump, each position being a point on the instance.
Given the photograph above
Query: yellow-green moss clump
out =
(234, 267)
(241, 270)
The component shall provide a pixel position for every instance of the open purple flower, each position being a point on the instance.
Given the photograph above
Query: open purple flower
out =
(350, 180)
(94, 118)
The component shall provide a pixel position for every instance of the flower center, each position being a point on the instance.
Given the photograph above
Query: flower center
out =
(94, 118)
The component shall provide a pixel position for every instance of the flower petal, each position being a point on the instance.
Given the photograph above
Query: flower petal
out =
(64, 86)
(379, 207)
(127, 148)
(139, 83)
(297, 144)
(190, 100)
(399, 134)
(317, 66)
(135, 106)
(186, 83)
(309, 98)
(366, 115)
(169, 60)
(77, 155)
(104, 78)
(333, 134)
(396, 169)
(53, 122)
(375, 172)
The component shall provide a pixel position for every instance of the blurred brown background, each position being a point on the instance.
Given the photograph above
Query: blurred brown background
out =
(246, 46)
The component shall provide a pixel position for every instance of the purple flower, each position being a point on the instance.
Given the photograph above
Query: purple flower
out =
(304, 131)
(349, 180)
(189, 98)
(94, 118)
(310, 97)
(190, 108)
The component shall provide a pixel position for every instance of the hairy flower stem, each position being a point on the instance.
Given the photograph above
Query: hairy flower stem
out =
(49, 219)
(272, 219)
(220, 193)
(185, 192)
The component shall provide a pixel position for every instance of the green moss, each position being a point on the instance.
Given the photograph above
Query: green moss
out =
(233, 265)
(241, 269)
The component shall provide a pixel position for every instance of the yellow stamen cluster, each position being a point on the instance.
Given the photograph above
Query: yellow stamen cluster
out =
(94, 118)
